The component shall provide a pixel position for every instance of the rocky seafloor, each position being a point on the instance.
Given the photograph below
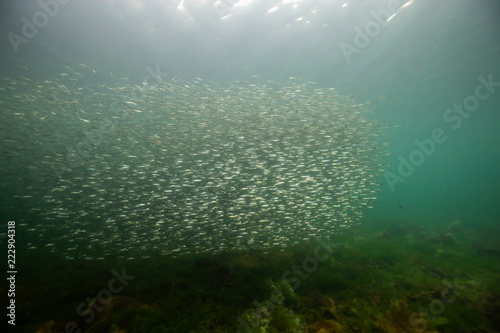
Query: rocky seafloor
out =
(386, 277)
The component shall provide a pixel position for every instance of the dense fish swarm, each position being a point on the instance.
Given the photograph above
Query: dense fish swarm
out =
(178, 167)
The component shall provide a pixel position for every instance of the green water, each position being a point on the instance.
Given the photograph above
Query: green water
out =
(182, 166)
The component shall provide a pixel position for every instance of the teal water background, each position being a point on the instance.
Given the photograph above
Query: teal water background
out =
(428, 57)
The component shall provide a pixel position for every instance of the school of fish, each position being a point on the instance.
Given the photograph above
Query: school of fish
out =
(97, 170)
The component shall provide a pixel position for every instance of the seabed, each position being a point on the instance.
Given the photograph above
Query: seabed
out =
(385, 277)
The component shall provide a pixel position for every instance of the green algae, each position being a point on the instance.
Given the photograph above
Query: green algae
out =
(450, 286)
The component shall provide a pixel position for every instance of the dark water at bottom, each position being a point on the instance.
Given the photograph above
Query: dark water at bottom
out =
(376, 277)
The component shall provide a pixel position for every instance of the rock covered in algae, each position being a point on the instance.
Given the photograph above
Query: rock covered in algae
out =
(326, 326)
(400, 319)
